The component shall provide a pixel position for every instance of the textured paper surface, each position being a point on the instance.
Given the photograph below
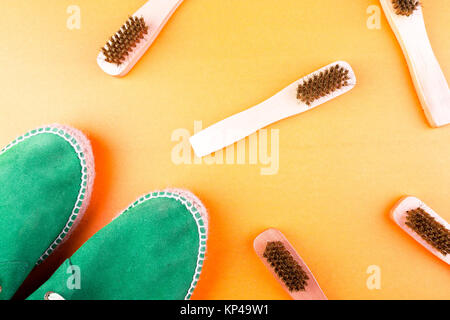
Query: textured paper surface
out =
(341, 166)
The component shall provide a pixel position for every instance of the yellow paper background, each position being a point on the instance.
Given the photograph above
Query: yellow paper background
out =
(342, 166)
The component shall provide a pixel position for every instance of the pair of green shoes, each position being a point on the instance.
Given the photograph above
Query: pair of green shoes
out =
(153, 250)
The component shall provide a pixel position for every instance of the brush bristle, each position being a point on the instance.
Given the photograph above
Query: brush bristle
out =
(122, 43)
(322, 84)
(285, 266)
(405, 7)
(429, 229)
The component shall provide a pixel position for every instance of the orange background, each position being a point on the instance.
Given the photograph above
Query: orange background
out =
(342, 166)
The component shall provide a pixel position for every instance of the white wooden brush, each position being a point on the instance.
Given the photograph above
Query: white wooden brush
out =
(305, 94)
(127, 46)
(406, 20)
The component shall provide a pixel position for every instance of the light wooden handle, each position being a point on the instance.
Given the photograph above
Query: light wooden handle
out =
(235, 128)
(429, 80)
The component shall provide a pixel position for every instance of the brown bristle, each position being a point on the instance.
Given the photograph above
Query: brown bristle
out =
(322, 84)
(122, 43)
(405, 7)
(285, 266)
(429, 229)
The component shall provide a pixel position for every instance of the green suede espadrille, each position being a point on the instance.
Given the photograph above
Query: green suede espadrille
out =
(153, 250)
(46, 179)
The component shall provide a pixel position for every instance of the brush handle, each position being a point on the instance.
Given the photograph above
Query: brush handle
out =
(245, 123)
(156, 13)
(427, 75)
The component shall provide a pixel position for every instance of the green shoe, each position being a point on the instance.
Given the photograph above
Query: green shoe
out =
(154, 250)
(46, 179)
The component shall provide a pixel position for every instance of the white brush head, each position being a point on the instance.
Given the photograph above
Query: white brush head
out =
(399, 214)
(326, 83)
(155, 14)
